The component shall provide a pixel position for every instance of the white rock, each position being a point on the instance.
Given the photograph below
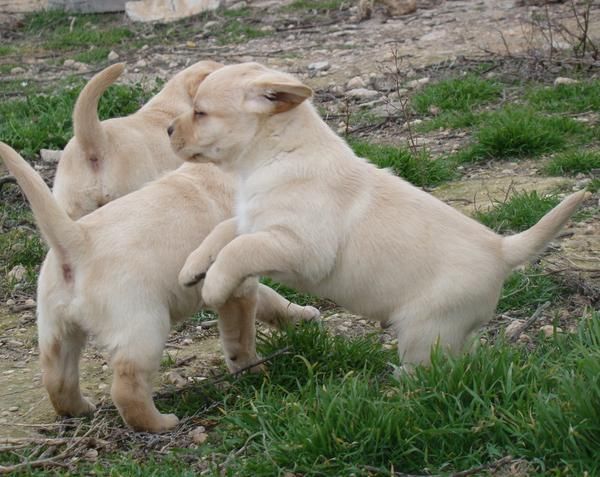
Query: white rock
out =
(400, 7)
(319, 66)
(30, 302)
(49, 155)
(17, 273)
(363, 93)
(10, 302)
(141, 64)
(418, 83)
(113, 55)
(69, 63)
(562, 80)
(91, 455)
(175, 378)
(17, 70)
(356, 82)
(208, 25)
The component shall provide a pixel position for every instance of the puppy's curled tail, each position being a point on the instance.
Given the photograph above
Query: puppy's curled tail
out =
(60, 231)
(520, 248)
(86, 123)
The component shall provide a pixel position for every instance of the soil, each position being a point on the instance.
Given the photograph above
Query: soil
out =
(440, 39)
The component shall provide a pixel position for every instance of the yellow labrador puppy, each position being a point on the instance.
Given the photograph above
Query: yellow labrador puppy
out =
(311, 214)
(113, 275)
(108, 159)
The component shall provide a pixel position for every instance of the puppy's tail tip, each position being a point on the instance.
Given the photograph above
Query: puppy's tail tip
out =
(520, 248)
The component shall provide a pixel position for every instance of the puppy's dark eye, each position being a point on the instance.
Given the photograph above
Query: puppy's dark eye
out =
(199, 114)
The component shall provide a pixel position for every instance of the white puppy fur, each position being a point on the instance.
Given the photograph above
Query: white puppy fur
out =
(113, 275)
(311, 214)
(108, 159)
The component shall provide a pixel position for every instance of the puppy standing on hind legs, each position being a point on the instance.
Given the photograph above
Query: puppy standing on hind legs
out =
(113, 275)
(311, 214)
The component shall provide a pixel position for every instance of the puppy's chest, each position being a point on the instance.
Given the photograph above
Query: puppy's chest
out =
(247, 206)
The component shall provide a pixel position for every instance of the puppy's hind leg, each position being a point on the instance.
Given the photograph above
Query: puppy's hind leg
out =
(60, 350)
(135, 362)
(237, 327)
(275, 310)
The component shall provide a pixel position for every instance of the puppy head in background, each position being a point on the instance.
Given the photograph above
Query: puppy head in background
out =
(230, 108)
(105, 159)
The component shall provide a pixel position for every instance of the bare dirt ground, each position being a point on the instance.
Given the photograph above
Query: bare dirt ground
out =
(442, 38)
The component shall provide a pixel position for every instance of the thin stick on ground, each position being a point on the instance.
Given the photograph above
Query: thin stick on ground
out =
(532, 319)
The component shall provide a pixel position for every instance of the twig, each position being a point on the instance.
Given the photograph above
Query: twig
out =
(224, 376)
(23, 307)
(528, 322)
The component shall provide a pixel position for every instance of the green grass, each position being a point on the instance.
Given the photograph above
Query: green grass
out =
(525, 290)
(94, 55)
(457, 94)
(515, 132)
(521, 211)
(594, 186)
(419, 169)
(236, 31)
(450, 120)
(574, 98)
(573, 162)
(6, 50)
(319, 5)
(329, 409)
(55, 30)
(44, 121)
(292, 295)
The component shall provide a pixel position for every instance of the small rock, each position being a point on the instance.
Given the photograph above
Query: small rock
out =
(198, 435)
(400, 7)
(319, 66)
(549, 330)
(267, 28)
(238, 6)
(91, 455)
(434, 110)
(102, 386)
(524, 338)
(17, 273)
(13, 408)
(210, 24)
(13, 343)
(187, 341)
(113, 55)
(17, 70)
(562, 80)
(362, 93)
(141, 64)
(190, 44)
(356, 82)
(10, 302)
(513, 328)
(175, 378)
(50, 156)
(418, 83)
(69, 63)
(30, 302)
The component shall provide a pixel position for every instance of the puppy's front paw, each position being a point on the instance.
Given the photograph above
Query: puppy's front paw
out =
(217, 288)
(195, 267)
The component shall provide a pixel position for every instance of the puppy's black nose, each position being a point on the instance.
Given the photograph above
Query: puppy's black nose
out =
(170, 130)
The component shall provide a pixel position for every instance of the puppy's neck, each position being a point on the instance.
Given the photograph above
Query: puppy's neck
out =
(295, 135)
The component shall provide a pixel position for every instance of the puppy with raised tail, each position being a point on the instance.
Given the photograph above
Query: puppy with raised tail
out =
(113, 275)
(311, 214)
(108, 159)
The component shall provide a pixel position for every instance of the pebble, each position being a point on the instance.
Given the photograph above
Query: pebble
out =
(319, 66)
(17, 273)
(549, 330)
(10, 302)
(238, 6)
(512, 329)
(13, 408)
(356, 82)
(362, 93)
(418, 83)
(212, 23)
(187, 341)
(176, 379)
(30, 302)
(102, 386)
(69, 63)
(141, 64)
(91, 455)
(198, 435)
(17, 70)
(113, 55)
(563, 80)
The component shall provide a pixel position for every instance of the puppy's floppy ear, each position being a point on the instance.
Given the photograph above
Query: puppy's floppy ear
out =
(276, 93)
(198, 74)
